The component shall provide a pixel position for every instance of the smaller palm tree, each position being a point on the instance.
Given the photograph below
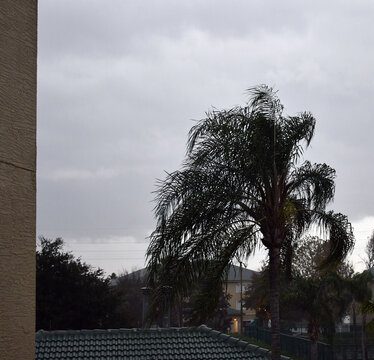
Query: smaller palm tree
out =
(321, 301)
(360, 292)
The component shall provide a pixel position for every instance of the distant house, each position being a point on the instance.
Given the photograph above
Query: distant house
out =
(237, 283)
(145, 344)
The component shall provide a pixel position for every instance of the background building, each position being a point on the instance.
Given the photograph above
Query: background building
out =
(238, 280)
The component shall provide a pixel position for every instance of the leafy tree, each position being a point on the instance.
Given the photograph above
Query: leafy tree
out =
(308, 256)
(241, 185)
(69, 293)
(369, 252)
(128, 312)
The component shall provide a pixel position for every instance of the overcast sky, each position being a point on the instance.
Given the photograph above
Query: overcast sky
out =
(120, 82)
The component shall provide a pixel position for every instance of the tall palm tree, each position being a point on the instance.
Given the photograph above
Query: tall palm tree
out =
(241, 186)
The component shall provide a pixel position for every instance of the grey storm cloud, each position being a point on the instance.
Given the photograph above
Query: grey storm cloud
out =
(119, 83)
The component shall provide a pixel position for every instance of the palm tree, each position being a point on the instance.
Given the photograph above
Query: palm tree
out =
(322, 302)
(360, 292)
(241, 185)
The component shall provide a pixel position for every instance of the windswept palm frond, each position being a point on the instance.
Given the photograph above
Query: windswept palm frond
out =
(315, 183)
(339, 232)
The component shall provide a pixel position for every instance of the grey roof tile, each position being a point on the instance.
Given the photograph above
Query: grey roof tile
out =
(144, 344)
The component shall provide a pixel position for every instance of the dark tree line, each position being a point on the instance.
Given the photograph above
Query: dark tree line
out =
(70, 294)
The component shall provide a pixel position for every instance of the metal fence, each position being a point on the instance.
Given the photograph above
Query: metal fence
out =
(347, 346)
(296, 346)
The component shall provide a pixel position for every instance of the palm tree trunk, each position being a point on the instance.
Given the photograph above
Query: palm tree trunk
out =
(364, 338)
(274, 264)
(313, 350)
(288, 262)
(313, 332)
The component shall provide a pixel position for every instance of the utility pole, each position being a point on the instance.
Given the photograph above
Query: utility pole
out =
(145, 306)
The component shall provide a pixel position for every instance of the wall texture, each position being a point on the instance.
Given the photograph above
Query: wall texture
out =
(18, 47)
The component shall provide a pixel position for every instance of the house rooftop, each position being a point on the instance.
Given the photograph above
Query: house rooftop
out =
(145, 344)
(234, 274)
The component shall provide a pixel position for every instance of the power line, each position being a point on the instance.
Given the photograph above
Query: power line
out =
(143, 258)
(106, 251)
(92, 228)
(100, 242)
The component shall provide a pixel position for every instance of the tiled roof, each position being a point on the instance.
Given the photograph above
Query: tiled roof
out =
(144, 344)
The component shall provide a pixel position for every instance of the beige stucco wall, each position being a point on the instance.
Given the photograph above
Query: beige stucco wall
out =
(248, 314)
(18, 39)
